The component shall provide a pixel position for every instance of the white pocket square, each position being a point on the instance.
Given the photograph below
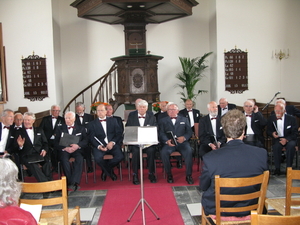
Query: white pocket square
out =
(38, 133)
(182, 122)
(288, 127)
(78, 134)
(221, 128)
(256, 121)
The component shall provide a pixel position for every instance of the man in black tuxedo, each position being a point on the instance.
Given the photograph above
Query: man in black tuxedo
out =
(83, 119)
(283, 130)
(105, 136)
(142, 117)
(163, 111)
(255, 125)
(49, 124)
(74, 150)
(192, 114)
(31, 141)
(181, 129)
(224, 107)
(211, 133)
(6, 132)
(110, 113)
(234, 159)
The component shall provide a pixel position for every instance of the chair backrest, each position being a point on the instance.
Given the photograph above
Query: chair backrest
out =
(261, 180)
(49, 186)
(290, 189)
(258, 219)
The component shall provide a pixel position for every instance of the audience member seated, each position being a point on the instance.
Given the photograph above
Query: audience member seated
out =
(18, 121)
(49, 124)
(255, 125)
(30, 144)
(83, 119)
(224, 107)
(142, 117)
(181, 128)
(105, 136)
(71, 149)
(283, 130)
(235, 159)
(10, 191)
(211, 133)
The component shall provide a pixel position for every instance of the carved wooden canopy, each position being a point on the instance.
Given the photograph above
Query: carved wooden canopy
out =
(127, 11)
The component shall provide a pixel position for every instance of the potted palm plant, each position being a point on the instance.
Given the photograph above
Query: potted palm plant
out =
(192, 72)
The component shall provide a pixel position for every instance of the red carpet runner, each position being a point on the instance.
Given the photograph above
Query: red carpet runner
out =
(119, 204)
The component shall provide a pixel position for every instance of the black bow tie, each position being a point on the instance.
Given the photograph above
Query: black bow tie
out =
(102, 120)
(173, 118)
(190, 110)
(54, 117)
(279, 118)
(7, 127)
(81, 116)
(141, 117)
(70, 127)
(30, 128)
(213, 118)
(224, 108)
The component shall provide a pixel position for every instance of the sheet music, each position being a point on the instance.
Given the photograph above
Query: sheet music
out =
(35, 210)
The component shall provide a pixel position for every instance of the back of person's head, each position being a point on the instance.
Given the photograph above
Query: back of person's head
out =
(233, 123)
(10, 189)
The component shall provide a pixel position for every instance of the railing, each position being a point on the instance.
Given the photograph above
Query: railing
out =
(105, 87)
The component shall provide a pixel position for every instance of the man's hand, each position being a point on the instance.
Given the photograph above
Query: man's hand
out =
(43, 153)
(283, 141)
(212, 146)
(20, 141)
(170, 143)
(110, 145)
(102, 148)
(275, 135)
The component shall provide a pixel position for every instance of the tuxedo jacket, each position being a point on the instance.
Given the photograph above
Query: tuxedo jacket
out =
(182, 127)
(113, 132)
(196, 114)
(10, 139)
(258, 123)
(78, 130)
(159, 115)
(133, 119)
(206, 134)
(46, 125)
(290, 127)
(85, 119)
(230, 106)
(234, 159)
(39, 143)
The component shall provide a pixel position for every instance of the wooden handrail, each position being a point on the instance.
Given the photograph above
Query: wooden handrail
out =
(102, 81)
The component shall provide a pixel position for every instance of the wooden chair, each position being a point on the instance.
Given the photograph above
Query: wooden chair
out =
(63, 216)
(173, 154)
(261, 180)
(260, 219)
(284, 205)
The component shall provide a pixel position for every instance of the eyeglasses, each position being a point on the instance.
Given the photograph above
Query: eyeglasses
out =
(248, 105)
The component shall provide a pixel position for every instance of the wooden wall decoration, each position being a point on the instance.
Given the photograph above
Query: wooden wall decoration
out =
(35, 78)
(236, 71)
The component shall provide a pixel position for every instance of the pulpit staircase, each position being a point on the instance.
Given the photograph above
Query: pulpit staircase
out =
(101, 90)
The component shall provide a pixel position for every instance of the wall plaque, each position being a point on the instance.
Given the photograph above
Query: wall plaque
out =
(236, 71)
(35, 78)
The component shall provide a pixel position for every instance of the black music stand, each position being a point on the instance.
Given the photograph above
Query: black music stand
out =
(141, 136)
